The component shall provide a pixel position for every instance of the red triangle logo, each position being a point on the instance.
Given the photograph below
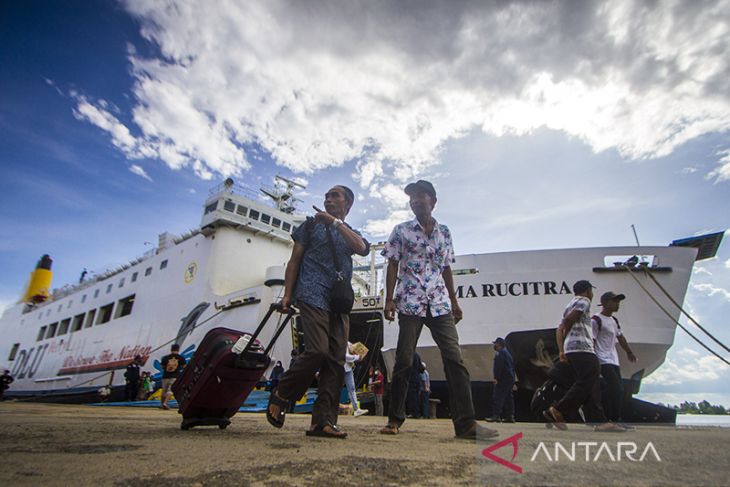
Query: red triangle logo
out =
(512, 440)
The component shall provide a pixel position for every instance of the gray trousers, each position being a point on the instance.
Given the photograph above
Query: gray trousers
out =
(443, 331)
(325, 342)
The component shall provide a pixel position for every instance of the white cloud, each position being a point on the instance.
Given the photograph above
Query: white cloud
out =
(712, 290)
(701, 270)
(383, 227)
(384, 87)
(721, 173)
(690, 367)
(139, 171)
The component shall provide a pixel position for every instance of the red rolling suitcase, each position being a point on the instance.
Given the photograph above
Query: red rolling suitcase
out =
(216, 380)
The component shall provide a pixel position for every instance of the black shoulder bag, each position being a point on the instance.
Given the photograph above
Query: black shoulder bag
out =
(342, 297)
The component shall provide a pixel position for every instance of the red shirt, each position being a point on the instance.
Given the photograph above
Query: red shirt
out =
(378, 384)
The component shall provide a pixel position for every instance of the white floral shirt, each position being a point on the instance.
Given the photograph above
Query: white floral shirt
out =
(422, 260)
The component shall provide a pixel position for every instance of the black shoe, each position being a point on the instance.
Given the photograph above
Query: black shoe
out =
(492, 420)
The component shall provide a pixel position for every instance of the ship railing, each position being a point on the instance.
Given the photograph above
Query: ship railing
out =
(236, 188)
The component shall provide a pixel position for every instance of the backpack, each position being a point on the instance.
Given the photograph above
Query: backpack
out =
(600, 321)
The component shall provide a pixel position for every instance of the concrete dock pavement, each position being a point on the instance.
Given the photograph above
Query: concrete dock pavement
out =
(48, 444)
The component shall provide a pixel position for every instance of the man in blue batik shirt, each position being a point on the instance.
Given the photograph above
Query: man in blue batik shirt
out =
(310, 274)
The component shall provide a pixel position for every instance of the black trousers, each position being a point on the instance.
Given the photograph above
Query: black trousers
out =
(325, 342)
(131, 389)
(586, 390)
(503, 400)
(613, 398)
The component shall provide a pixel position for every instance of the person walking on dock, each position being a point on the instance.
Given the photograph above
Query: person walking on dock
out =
(419, 254)
(574, 337)
(310, 279)
(172, 365)
(607, 333)
(5, 380)
(504, 382)
(131, 378)
(378, 388)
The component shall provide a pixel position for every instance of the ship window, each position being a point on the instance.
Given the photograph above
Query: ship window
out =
(69, 304)
(89, 320)
(211, 207)
(163, 264)
(41, 333)
(632, 260)
(13, 352)
(134, 276)
(148, 271)
(48, 313)
(63, 329)
(241, 210)
(125, 306)
(52, 330)
(40, 315)
(105, 314)
(229, 206)
(109, 288)
(286, 227)
(96, 294)
(77, 323)
(265, 218)
(253, 214)
(83, 299)
(276, 223)
(121, 282)
(60, 306)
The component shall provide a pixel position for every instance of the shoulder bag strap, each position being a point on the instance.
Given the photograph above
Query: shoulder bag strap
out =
(334, 252)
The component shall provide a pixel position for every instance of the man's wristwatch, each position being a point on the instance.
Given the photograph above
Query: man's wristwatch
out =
(336, 223)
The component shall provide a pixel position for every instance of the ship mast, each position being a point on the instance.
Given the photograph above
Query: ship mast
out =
(284, 197)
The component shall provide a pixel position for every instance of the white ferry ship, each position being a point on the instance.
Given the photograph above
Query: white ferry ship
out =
(66, 345)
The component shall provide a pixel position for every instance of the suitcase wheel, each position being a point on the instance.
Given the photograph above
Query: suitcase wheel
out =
(223, 426)
(184, 427)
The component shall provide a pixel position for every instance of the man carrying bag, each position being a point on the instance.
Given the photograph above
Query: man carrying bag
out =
(318, 279)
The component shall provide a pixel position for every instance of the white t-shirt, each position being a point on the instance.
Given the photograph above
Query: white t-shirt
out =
(606, 338)
(580, 336)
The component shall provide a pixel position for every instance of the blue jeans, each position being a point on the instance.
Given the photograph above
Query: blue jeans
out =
(350, 383)
(443, 331)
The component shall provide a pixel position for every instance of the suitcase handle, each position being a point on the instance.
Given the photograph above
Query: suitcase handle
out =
(272, 308)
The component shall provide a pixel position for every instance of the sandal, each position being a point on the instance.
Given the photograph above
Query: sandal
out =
(327, 430)
(276, 419)
(390, 429)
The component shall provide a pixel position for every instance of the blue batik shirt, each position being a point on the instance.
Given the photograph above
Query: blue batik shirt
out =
(317, 269)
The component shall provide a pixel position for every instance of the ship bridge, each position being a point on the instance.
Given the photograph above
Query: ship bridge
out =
(240, 207)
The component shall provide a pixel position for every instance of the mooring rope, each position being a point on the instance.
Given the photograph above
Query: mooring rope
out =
(631, 273)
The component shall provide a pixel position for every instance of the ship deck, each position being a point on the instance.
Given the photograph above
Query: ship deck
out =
(51, 444)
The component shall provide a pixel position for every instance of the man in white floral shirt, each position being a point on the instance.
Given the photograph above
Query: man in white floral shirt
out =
(419, 254)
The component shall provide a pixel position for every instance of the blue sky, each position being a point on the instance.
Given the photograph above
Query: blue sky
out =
(542, 125)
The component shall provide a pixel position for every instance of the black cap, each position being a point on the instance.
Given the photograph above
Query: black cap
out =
(499, 341)
(610, 295)
(582, 286)
(421, 185)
